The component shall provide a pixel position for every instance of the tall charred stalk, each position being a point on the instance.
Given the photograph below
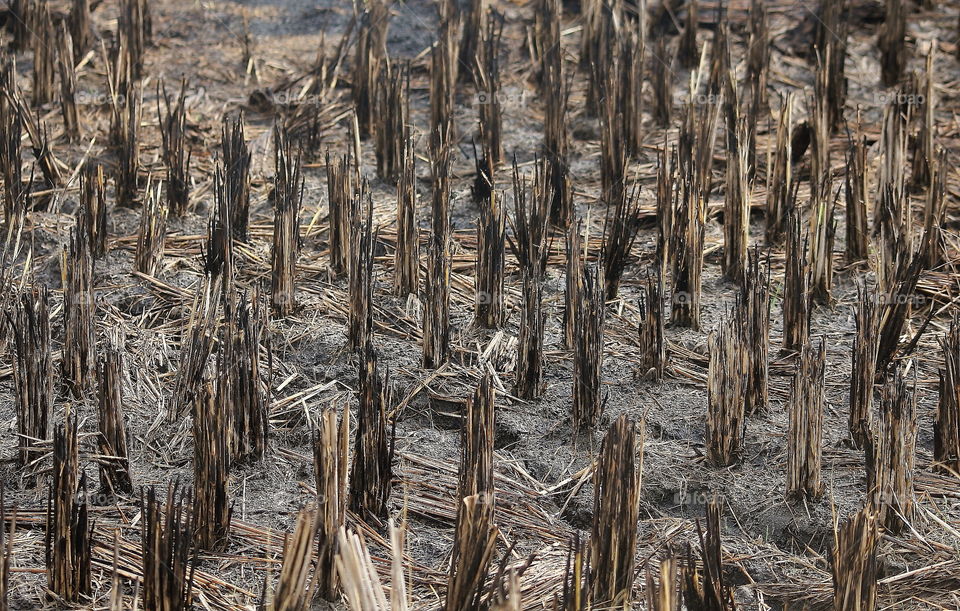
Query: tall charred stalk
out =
(893, 50)
(619, 233)
(753, 319)
(166, 545)
(393, 90)
(288, 197)
(295, 587)
(831, 46)
(588, 402)
(371, 474)
(491, 233)
(406, 279)
(726, 387)
(436, 312)
(687, 52)
(924, 154)
(211, 469)
(330, 458)
(112, 431)
(822, 223)
(153, 232)
(371, 51)
(68, 532)
(473, 547)
(360, 288)
(37, 132)
(650, 340)
(531, 215)
(572, 282)
(236, 163)
(195, 348)
(343, 209)
(613, 154)
(736, 206)
(758, 64)
(555, 136)
(616, 508)
(68, 84)
(92, 216)
(686, 251)
(805, 434)
(796, 288)
(780, 192)
(662, 78)
(81, 30)
(897, 295)
(855, 190)
(134, 32)
(126, 133)
(443, 79)
(32, 371)
(78, 314)
(890, 460)
(863, 369)
(854, 565)
(946, 424)
(44, 55)
(11, 151)
(470, 49)
(245, 387)
(933, 251)
(173, 122)
(476, 442)
(487, 75)
(667, 205)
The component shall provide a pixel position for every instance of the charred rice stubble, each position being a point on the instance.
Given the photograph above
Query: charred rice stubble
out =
(711, 592)
(371, 473)
(831, 46)
(619, 234)
(79, 310)
(487, 77)
(126, 134)
(68, 534)
(855, 190)
(236, 164)
(687, 52)
(946, 424)
(153, 232)
(331, 445)
(686, 251)
(796, 289)
(112, 434)
(891, 455)
(753, 318)
(362, 237)
(32, 371)
(212, 508)
(68, 84)
(491, 234)
(662, 77)
(529, 246)
(474, 544)
(555, 90)
(369, 60)
(650, 336)
(854, 565)
(780, 189)
(195, 348)
(44, 55)
(891, 42)
(172, 116)
(572, 282)
(40, 143)
(249, 379)
(81, 29)
(588, 399)
(736, 206)
(6, 549)
(758, 65)
(166, 545)
(406, 280)
(295, 585)
(663, 594)
(726, 388)
(343, 209)
(863, 368)
(436, 312)
(805, 433)
(393, 90)
(11, 151)
(667, 204)
(134, 33)
(288, 198)
(92, 216)
(616, 509)
(823, 225)
(476, 442)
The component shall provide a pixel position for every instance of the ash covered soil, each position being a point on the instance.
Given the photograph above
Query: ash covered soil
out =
(776, 553)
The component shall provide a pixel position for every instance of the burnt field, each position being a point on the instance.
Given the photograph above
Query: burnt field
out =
(475, 305)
